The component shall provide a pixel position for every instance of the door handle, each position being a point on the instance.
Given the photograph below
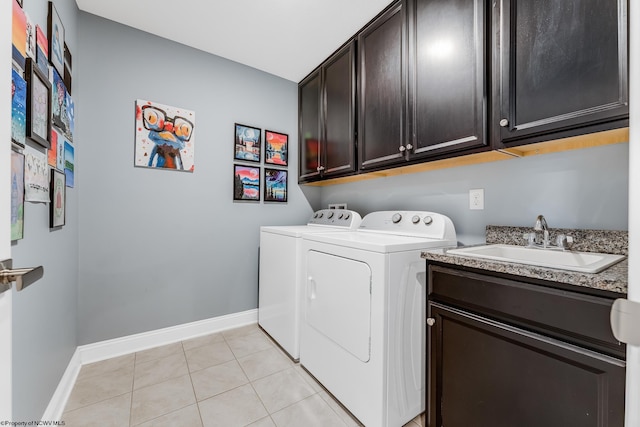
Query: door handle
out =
(312, 288)
(22, 276)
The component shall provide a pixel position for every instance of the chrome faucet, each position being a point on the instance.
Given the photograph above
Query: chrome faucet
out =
(541, 225)
(534, 240)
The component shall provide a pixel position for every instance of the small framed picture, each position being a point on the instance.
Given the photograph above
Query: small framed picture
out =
(38, 105)
(276, 148)
(247, 143)
(275, 185)
(56, 39)
(57, 207)
(18, 108)
(246, 183)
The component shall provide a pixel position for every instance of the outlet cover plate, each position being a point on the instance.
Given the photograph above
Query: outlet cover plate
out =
(476, 199)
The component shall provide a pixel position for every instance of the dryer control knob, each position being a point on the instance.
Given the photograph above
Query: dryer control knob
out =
(428, 220)
(340, 216)
(330, 215)
(396, 218)
(347, 216)
(415, 219)
(320, 215)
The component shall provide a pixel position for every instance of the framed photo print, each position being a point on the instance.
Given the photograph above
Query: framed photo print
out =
(246, 183)
(38, 105)
(18, 108)
(276, 148)
(56, 39)
(57, 207)
(247, 143)
(275, 185)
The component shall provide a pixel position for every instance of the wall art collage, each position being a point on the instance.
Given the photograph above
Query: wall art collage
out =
(247, 182)
(42, 118)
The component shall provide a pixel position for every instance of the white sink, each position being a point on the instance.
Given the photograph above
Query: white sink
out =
(586, 262)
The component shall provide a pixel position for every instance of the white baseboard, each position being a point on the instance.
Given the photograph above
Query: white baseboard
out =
(103, 350)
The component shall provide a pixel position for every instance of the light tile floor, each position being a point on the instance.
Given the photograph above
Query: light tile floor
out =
(234, 378)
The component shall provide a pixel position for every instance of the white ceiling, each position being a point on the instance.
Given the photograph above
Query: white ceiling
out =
(288, 38)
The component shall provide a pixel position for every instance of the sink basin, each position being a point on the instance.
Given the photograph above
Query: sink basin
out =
(586, 262)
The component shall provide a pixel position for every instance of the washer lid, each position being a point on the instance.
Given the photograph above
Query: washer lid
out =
(379, 242)
(299, 230)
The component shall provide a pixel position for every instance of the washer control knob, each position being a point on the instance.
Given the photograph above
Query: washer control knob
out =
(320, 215)
(431, 321)
(330, 215)
(396, 218)
(315, 215)
(415, 219)
(340, 216)
(428, 220)
(347, 216)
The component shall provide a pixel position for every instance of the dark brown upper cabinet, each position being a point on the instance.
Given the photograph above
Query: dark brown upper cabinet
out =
(560, 69)
(327, 118)
(382, 99)
(448, 79)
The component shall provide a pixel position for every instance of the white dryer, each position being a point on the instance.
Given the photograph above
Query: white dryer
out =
(280, 292)
(363, 335)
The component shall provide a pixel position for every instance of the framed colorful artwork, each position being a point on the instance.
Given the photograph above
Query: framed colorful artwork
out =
(57, 205)
(17, 196)
(42, 51)
(69, 163)
(36, 176)
(275, 185)
(165, 137)
(38, 105)
(276, 148)
(19, 35)
(56, 39)
(58, 105)
(18, 108)
(246, 183)
(247, 143)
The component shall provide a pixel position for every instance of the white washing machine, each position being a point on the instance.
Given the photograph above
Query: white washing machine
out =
(363, 335)
(280, 293)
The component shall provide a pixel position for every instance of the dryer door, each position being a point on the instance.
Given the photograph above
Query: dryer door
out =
(339, 301)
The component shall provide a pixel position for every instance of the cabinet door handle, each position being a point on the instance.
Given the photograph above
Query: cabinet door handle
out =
(504, 123)
(409, 146)
(402, 148)
(320, 168)
(431, 321)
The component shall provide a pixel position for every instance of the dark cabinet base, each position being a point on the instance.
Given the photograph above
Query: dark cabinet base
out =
(502, 353)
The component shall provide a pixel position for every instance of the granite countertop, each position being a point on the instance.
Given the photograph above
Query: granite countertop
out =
(614, 278)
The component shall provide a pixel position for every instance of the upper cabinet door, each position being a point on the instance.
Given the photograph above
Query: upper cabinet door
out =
(561, 66)
(448, 81)
(339, 82)
(309, 123)
(381, 87)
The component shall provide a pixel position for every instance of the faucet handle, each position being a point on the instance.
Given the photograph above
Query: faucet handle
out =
(530, 238)
(564, 242)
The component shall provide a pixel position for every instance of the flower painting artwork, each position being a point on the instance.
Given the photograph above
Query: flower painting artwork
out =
(58, 199)
(164, 137)
(246, 183)
(276, 148)
(275, 185)
(247, 143)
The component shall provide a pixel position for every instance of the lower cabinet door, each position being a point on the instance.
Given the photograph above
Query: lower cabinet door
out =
(484, 373)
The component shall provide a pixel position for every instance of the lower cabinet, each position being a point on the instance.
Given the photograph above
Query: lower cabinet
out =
(507, 353)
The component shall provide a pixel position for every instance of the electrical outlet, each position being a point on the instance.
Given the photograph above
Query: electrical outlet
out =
(476, 199)
(337, 206)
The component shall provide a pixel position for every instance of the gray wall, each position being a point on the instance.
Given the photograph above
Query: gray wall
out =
(575, 189)
(160, 248)
(44, 314)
